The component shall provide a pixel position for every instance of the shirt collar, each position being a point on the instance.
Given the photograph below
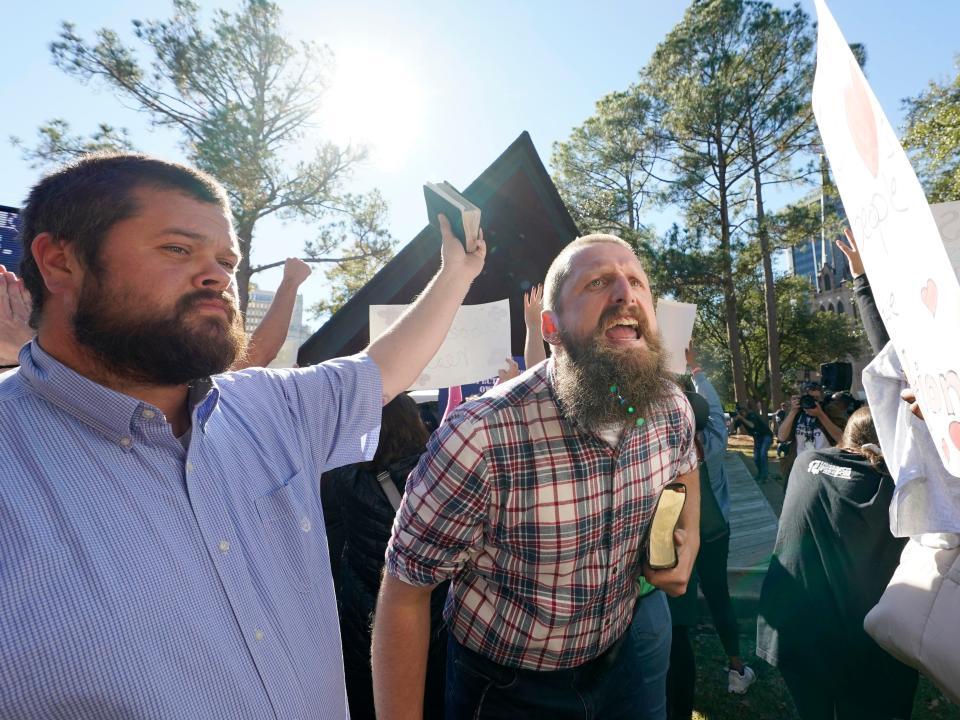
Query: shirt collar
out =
(107, 411)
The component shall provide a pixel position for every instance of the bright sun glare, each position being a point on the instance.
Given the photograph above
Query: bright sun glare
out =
(376, 100)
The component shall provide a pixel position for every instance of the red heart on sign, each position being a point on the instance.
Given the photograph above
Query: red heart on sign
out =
(860, 120)
(954, 430)
(928, 294)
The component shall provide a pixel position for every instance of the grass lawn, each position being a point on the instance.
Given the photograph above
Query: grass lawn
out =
(768, 698)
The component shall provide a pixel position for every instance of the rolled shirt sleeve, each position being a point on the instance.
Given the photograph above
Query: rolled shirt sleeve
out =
(442, 517)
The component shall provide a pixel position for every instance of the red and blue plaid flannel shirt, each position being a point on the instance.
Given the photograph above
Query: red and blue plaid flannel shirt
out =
(538, 523)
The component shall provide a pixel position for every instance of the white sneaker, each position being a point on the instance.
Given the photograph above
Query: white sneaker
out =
(740, 683)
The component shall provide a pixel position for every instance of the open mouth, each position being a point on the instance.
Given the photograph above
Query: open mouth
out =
(621, 329)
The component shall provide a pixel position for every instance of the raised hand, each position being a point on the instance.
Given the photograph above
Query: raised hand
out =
(452, 253)
(852, 253)
(15, 306)
(533, 306)
(295, 271)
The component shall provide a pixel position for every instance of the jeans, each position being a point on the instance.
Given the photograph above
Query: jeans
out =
(760, 459)
(626, 681)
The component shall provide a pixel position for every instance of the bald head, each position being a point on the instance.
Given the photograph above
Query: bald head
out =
(560, 269)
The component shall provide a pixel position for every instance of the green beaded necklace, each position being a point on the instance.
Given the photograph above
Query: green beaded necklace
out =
(631, 410)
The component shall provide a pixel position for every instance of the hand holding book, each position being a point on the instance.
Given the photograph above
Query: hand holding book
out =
(453, 254)
(463, 216)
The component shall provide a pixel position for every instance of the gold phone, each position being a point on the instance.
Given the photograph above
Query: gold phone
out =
(661, 549)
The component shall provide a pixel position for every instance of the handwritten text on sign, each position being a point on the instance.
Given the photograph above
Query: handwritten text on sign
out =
(913, 282)
(474, 349)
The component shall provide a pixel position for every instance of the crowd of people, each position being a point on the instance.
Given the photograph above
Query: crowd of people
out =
(184, 533)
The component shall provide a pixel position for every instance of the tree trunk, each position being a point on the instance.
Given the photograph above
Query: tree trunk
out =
(244, 232)
(769, 292)
(729, 293)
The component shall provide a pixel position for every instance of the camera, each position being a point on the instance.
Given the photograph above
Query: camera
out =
(808, 402)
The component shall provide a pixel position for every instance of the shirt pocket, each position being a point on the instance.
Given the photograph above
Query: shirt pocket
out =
(288, 526)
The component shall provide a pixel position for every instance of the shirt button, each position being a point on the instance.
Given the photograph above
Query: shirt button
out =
(149, 414)
(305, 524)
(614, 571)
(126, 442)
(189, 466)
(258, 634)
(224, 546)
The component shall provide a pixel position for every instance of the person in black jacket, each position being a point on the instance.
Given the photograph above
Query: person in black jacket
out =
(833, 558)
(359, 505)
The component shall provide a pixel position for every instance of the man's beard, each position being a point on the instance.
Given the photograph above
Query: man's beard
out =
(587, 368)
(157, 350)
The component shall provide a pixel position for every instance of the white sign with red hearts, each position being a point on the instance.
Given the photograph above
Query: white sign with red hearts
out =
(912, 278)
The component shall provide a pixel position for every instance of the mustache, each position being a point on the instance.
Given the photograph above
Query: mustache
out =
(199, 296)
(615, 312)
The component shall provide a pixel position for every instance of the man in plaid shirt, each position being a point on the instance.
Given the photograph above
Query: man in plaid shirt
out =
(535, 500)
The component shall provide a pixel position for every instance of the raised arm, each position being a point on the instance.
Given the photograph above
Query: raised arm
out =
(15, 330)
(715, 434)
(405, 348)
(533, 349)
(863, 295)
(271, 333)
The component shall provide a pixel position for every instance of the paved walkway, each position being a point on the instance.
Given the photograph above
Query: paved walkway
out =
(753, 524)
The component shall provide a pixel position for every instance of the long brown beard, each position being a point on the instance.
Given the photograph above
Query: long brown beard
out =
(587, 369)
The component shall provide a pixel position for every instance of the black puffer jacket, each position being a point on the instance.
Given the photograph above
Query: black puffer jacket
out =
(357, 510)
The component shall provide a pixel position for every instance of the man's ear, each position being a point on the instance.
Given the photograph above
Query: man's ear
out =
(57, 263)
(549, 327)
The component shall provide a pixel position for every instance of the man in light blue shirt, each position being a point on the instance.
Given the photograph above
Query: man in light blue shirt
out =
(161, 542)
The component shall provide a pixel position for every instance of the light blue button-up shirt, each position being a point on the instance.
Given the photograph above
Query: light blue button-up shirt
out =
(140, 579)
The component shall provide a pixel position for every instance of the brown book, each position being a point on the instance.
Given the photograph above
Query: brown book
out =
(661, 548)
(463, 215)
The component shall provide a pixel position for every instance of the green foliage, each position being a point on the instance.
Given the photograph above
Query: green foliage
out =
(242, 98)
(362, 236)
(721, 111)
(679, 267)
(55, 144)
(603, 171)
(933, 137)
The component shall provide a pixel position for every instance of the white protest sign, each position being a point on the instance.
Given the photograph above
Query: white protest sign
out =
(947, 217)
(675, 320)
(475, 348)
(916, 290)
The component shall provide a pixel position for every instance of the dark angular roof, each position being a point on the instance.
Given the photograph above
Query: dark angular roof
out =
(525, 224)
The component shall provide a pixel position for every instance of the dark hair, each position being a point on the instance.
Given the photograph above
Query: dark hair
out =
(81, 201)
(402, 432)
(860, 431)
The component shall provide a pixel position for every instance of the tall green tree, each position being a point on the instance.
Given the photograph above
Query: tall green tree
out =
(933, 138)
(779, 126)
(603, 172)
(242, 98)
(697, 78)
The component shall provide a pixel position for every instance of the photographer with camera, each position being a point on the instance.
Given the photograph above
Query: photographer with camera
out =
(807, 425)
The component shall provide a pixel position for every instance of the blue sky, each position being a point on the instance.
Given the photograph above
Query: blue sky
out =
(438, 89)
